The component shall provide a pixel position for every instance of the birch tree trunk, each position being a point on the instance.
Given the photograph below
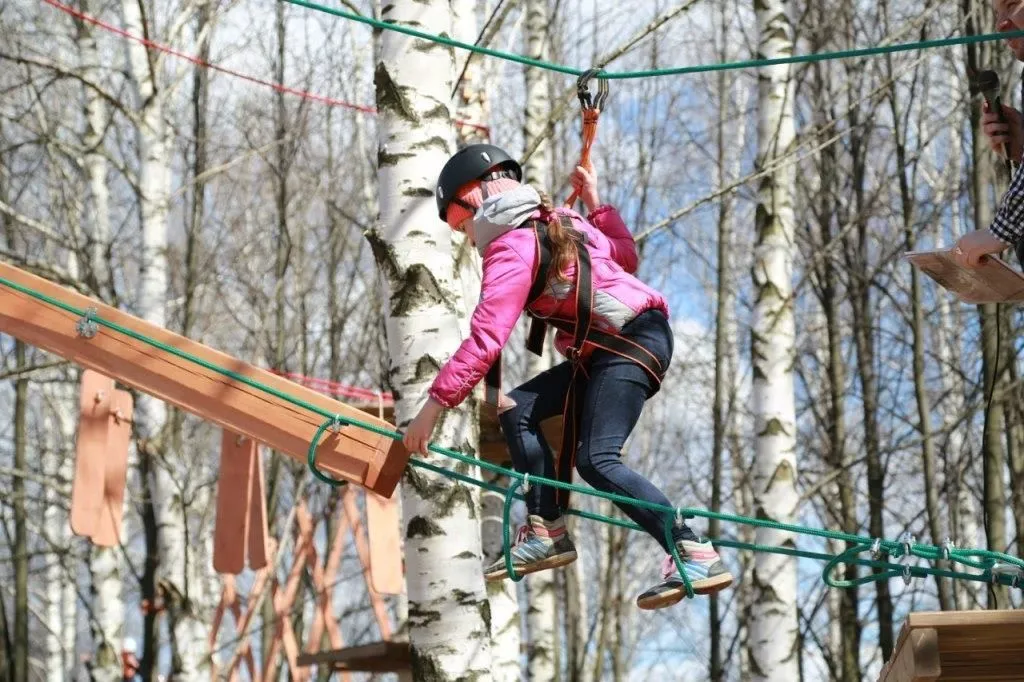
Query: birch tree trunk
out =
(96, 119)
(448, 609)
(60, 427)
(188, 629)
(540, 623)
(773, 627)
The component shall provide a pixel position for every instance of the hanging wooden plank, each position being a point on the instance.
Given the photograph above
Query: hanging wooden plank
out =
(234, 489)
(355, 454)
(87, 490)
(115, 470)
(387, 572)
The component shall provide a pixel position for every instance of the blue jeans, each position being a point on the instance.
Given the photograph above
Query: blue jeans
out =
(613, 397)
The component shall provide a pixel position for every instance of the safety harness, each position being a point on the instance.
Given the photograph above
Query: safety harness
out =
(582, 331)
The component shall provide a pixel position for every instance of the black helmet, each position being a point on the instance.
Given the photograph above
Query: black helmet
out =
(473, 162)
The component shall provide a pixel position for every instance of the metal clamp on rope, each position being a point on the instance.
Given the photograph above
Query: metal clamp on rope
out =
(876, 549)
(679, 517)
(947, 549)
(907, 540)
(588, 101)
(1001, 569)
(526, 483)
(906, 575)
(86, 325)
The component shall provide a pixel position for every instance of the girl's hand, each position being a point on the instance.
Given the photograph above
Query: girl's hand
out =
(584, 181)
(972, 248)
(417, 434)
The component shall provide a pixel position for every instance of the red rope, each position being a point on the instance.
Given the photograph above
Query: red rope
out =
(335, 388)
(330, 101)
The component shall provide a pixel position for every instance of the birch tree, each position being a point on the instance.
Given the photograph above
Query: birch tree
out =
(448, 608)
(152, 94)
(773, 626)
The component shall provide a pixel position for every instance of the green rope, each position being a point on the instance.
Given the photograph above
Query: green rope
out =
(997, 567)
(671, 543)
(506, 541)
(653, 73)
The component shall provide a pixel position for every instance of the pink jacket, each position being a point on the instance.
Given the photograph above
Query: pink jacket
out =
(508, 264)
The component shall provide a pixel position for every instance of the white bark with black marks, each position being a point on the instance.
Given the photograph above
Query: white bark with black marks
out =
(152, 93)
(448, 609)
(773, 626)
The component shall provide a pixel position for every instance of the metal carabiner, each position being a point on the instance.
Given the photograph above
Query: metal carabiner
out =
(587, 101)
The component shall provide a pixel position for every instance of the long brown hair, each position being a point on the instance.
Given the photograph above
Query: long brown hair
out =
(561, 238)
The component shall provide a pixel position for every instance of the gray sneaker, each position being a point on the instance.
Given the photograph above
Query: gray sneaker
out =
(704, 569)
(535, 549)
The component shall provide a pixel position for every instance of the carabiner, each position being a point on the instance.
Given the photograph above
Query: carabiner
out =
(583, 92)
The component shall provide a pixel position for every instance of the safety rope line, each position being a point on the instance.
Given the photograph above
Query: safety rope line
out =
(654, 73)
(997, 567)
(198, 61)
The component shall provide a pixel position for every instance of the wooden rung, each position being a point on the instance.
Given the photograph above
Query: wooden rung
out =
(234, 490)
(387, 573)
(993, 282)
(115, 470)
(379, 657)
(355, 454)
(87, 490)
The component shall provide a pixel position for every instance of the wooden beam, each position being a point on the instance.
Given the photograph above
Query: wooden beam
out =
(379, 657)
(355, 454)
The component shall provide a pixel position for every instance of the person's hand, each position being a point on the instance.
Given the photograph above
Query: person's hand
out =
(972, 248)
(417, 434)
(584, 181)
(1007, 133)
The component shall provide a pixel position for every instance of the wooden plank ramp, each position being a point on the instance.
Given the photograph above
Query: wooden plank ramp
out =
(355, 454)
(959, 646)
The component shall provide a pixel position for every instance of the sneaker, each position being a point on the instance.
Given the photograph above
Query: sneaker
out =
(704, 568)
(539, 545)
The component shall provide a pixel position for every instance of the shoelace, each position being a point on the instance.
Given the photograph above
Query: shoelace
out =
(668, 567)
(522, 534)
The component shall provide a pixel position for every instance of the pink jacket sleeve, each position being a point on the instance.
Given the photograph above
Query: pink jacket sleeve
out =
(507, 277)
(607, 219)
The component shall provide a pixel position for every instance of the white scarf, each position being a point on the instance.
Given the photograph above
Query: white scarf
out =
(503, 213)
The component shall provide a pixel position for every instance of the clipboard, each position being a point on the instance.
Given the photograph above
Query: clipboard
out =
(993, 282)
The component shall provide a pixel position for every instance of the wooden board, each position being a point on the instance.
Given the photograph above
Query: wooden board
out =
(994, 282)
(87, 490)
(387, 571)
(355, 454)
(115, 470)
(959, 646)
(234, 493)
(379, 657)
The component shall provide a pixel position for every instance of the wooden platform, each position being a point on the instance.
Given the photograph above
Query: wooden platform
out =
(378, 657)
(355, 454)
(959, 646)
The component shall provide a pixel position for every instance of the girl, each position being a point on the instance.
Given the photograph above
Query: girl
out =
(612, 327)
